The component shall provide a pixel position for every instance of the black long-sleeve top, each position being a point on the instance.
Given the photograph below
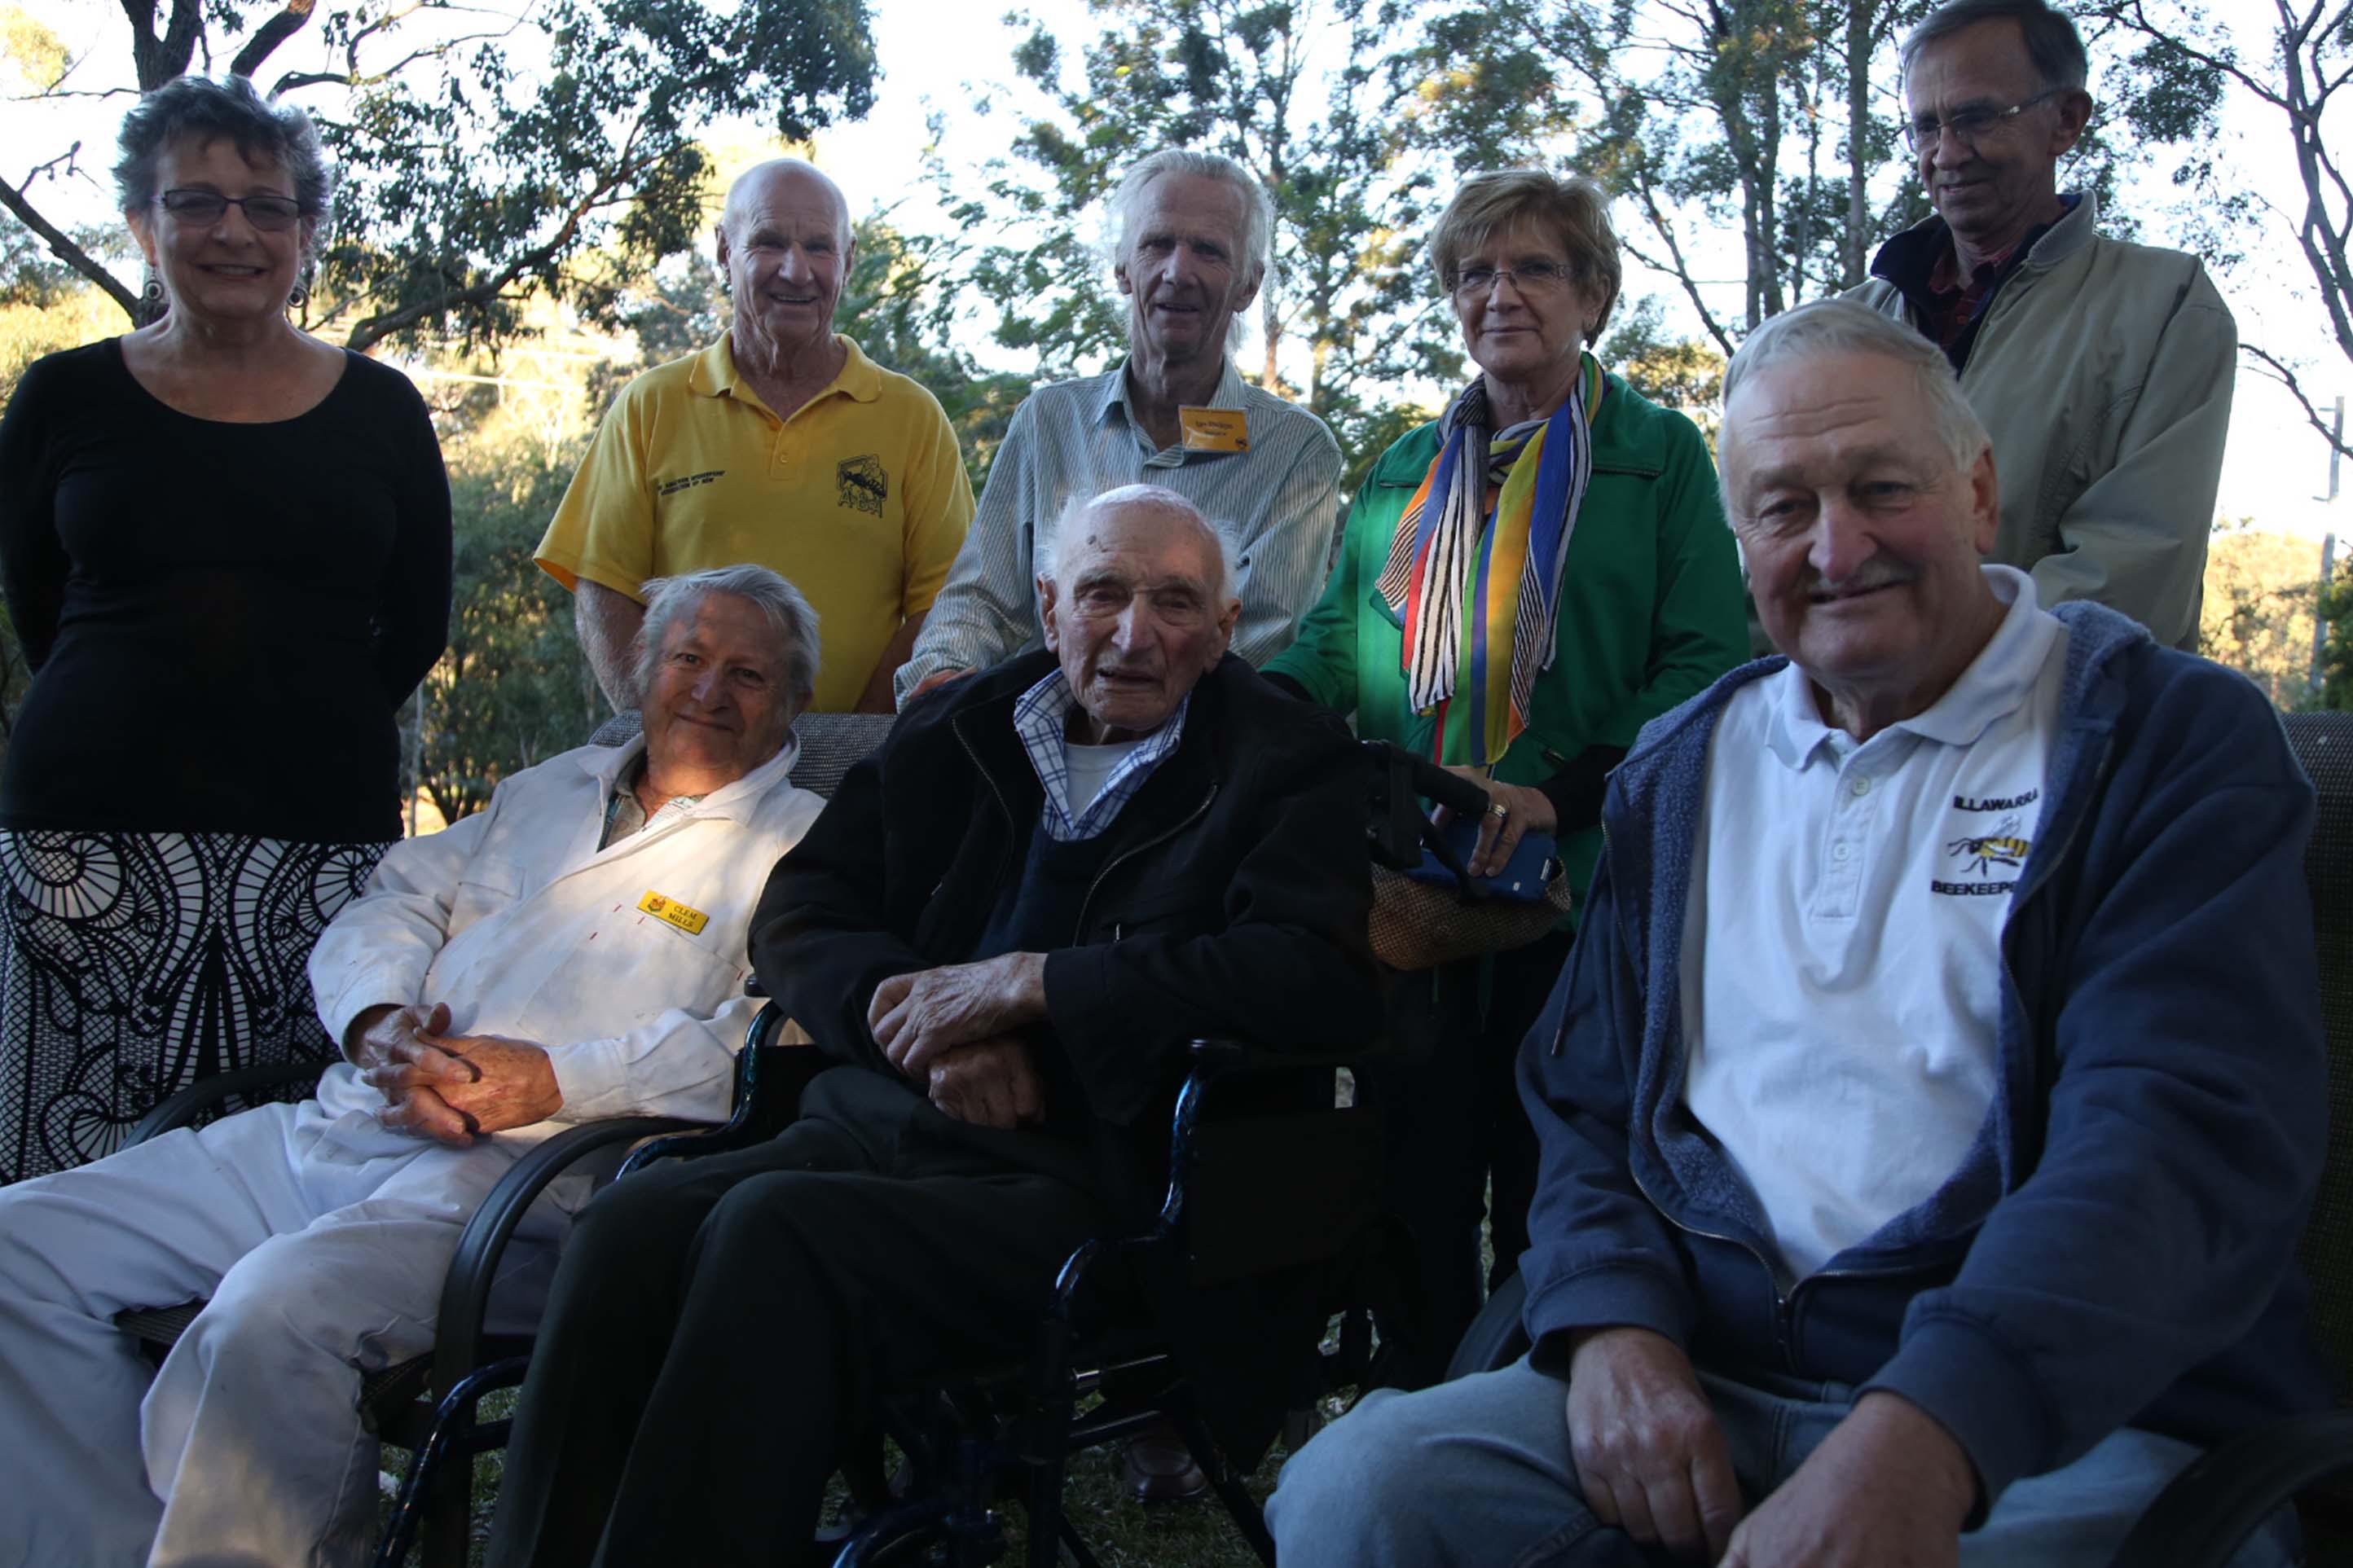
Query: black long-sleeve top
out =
(222, 619)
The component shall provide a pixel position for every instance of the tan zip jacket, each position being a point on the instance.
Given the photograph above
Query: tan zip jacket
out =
(2103, 371)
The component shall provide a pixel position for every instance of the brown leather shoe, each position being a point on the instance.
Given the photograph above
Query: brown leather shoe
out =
(1159, 1468)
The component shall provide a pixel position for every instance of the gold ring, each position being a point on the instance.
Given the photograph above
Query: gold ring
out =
(1496, 809)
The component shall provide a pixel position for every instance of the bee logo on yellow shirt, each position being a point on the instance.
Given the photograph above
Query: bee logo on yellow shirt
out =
(864, 486)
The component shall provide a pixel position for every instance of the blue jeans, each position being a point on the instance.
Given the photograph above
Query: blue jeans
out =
(1478, 1471)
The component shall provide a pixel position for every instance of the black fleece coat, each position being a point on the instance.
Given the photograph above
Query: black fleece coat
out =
(1232, 903)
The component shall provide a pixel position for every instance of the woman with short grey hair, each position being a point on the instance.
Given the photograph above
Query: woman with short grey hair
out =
(670, 599)
(225, 548)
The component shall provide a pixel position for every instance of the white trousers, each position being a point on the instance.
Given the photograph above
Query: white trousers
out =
(321, 1243)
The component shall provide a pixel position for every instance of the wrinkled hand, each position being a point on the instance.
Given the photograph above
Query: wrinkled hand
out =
(989, 1083)
(1889, 1488)
(388, 1043)
(1525, 810)
(514, 1082)
(450, 1087)
(936, 678)
(917, 1018)
(1649, 1451)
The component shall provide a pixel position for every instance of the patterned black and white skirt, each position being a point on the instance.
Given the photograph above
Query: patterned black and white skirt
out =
(132, 964)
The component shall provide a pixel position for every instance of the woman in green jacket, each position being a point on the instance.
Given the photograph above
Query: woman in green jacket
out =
(1521, 585)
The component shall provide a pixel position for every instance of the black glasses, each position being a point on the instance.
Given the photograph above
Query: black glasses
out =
(1529, 277)
(206, 206)
(1968, 125)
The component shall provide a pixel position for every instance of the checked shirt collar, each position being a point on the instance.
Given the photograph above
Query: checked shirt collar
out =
(1042, 717)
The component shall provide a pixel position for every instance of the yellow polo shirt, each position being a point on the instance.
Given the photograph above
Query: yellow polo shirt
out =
(860, 499)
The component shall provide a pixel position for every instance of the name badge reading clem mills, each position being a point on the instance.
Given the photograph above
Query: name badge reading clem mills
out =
(686, 917)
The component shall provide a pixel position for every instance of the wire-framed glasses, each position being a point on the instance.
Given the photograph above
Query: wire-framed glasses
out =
(1528, 276)
(1967, 126)
(263, 212)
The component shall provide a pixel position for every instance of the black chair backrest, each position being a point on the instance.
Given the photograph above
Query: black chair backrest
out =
(2324, 745)
(831, 744)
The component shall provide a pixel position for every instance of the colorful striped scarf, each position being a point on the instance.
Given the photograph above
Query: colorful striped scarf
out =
(1463, 582)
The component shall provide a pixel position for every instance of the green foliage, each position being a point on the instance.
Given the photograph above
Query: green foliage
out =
(2261, 589)
(899, 305)
(2337, 650)
(487, 151)
(1759, 117)
(513, 690)
(1675, 372)
(1345, 314)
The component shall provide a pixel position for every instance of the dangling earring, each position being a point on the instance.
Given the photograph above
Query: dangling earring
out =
(297, 298)
(153, 292)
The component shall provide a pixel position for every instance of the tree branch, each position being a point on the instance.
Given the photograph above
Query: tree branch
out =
(61, 246)
(2281, 372)
(372, 330)
(270, 35)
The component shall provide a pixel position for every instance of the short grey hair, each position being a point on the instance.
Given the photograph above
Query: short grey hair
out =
(672, 599)
(2053, 44)
(1253, 247)
(1069, 537)
(1846, 326)
(199, 108)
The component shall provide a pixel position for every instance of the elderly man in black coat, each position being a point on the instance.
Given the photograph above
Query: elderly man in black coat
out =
(1004, 929)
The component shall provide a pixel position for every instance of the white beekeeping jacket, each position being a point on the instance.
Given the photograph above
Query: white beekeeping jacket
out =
(626, 962)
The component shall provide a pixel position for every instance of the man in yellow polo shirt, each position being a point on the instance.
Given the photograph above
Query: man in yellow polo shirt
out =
(780, 444)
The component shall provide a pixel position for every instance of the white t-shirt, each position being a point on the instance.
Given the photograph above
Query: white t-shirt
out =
(1841, 957)
(1091, 768)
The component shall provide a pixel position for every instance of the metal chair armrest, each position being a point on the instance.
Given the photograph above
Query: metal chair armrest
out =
(769, 1079)
(466, 1290)
(193, 1102)
(2211, 1508)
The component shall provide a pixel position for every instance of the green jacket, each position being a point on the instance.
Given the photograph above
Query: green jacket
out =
(1651, 606)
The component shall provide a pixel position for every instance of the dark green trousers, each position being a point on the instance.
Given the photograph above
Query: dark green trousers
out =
(716, 1324)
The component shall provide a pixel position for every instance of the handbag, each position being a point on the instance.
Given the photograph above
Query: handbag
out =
(1426, 911)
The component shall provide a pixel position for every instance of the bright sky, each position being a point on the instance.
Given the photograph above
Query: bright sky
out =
(2274, 469)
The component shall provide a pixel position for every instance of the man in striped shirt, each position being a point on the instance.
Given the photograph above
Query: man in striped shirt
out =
(1194, 230)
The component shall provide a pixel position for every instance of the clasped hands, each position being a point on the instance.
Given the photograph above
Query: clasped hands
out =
(1889, 1488)
(954, 1033)
(450, 1087)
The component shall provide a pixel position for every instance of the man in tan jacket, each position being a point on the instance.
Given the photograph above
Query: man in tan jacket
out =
(2102, 370)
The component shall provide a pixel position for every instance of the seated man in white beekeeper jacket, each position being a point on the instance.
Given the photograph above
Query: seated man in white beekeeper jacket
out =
(574, 952)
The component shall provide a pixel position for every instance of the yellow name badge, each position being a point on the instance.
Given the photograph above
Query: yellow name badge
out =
(687, 918)
(1214, 429)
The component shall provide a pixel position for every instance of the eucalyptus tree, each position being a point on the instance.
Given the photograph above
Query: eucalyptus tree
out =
(487, 149)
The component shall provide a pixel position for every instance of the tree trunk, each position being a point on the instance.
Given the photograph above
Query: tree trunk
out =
(1859, 41)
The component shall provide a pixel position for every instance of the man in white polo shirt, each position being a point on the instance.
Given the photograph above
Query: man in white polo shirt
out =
(1932, 1099)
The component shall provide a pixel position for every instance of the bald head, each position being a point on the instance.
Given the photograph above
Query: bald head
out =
(784, 239)
(1139, 605)
(790, 180)
(1151, 508)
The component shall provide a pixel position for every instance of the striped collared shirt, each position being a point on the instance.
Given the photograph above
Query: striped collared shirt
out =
(1042, 717)
(1276, 504)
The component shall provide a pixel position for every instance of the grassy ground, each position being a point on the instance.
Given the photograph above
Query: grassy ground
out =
(1123, 1533)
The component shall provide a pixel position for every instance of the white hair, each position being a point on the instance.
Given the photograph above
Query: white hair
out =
(672, 599)
(1845, 326)
(1253, 247)
(1070, 537)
